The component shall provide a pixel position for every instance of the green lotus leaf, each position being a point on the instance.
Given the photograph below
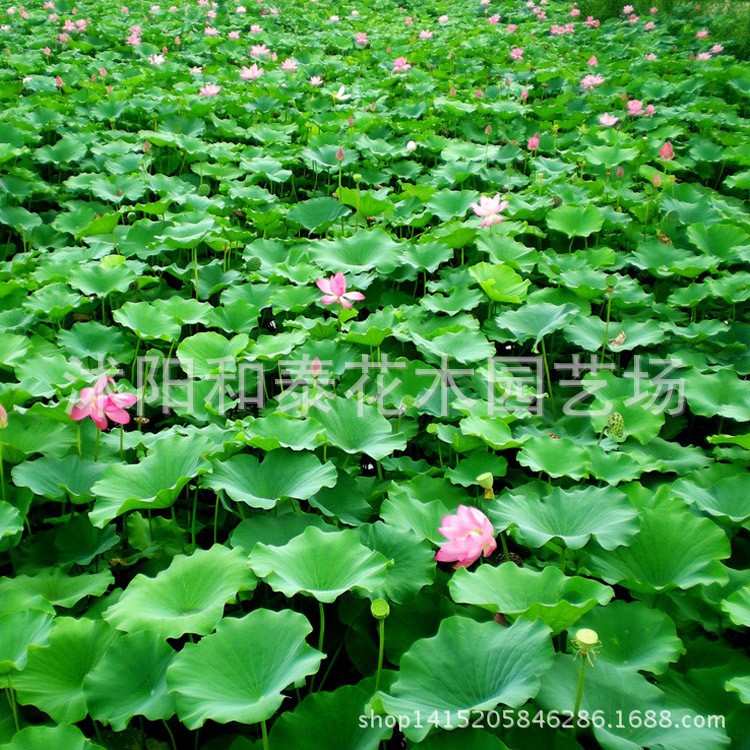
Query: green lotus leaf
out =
(319, 564)
(63, 737)
(210, 354)
(590, 332)
(725, 498)
(147, 321)
(412, 560)
(100, 281)
(13, 349)
(25, 623)
(634, 636)
(188, 234)
(556, 599)
(359, 252)
(356, 427)
(500, 282)
(11, 520)
(573, 517)
(155, 482)
(53, 678)
(674, 549)
(130, 680)
(328, 720)
(468, 469)
(188, 597)
(725, 241)
(737, 606)
(57, 587)
(239, 672)
(719, 394)
(283, 473)
(57, 478)
(462, 739)
(741, 686)
(535, 321)
(576, 221)
(558, 457)
(451, 204)
(317, 214)
(275, 531)
(429, 681)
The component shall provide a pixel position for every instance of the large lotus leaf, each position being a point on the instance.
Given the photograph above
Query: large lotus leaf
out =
(463, 346)
(572, 516)
(57, 587)
(24, 623)
(725, 241)
(468, 469)
(469, 666)
(576, 221)
(275, 530)
(558, 600)
(329, 720)
(737, 606)
(741, 686)
(360, 252)
(131, 680)
(721, 394)
(590, 332)
(317, 213)
(154, 482)
(535, 321)
(147, 321)
(239, 672)
(53, 678)
(319, 564)
(356, 427)
(11, 521)
(63, 737)
(348, 500)
(558, 457)
(96, 279)
(413, 560)
(726, 498)
(500, 282)
(619, 694)
(283, 473)
(673, 549)
(494, 431)
(57, 477)
(621, 627)
(210, 355)
(636, 401)
(188, 597)
(282, 430)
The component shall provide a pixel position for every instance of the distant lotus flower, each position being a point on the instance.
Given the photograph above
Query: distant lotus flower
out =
(516, 53)
(635, 107)
(666, 152)
(524, 95)
(355, 13)
(470, 536)
(442, 20)
(333, 19)
(289, 65)
(608, 120)
(252, 73)
(196, 70)
(620, 173)
(627, 10)
(650, 109)
(408, 20)
(533, 143)
(400, 65)
(341, 95)
(210, 89)
(425, 34)
(411, 146)
(591, 22)
(656, 180)
(650, 26)
(47, 51)
(103, 72)
(97, 403)
(316, 81)
(334, 291)
(650, 56)
(702, 34)
(259, 50)
(653, 11)
(592, 61)
(575, 12)
(233, 35)
(704, 56)
(210, 31)
(59, 82)
(157, 59)
(512, 27)
(361, 38)
(241, 9)
(256, 29)
(494, 19)
(3, 418)
(716, 49)
(340, 154)
(588, 82)
(489, 209)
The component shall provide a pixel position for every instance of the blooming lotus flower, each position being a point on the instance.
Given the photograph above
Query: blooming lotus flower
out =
(488, 209)
(96, 403)
(716, 49)
(704, 56)
(341, 95)
(233, 35)
(334, 291)
(316, 81)
(210, 31)
(608, 120)
(516, 53)
(702, 34)
(650, 26)
(650, 56)
(252, 73)
(210, 89)
(400, 65)
(259, 50)
(627, 10)
(512, 27)
(289, 65)
(411, 146)
(425, 34)
(533, 143)
(442, 20)
(588, 82)
(361, 39)
(592, 61)
(157, 59)
(635, 107)
(256, 29)
(470, 535)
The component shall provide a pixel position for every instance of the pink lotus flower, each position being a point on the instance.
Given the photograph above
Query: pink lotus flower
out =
(470, 535)
(650, 56)
(96, 403)
(533, 143)
(400, 65)
(493, 20)
(210, 31)
(47, 51)
(702, 34)
(650, 26)
(608, 120)
(704, 56)
(575, 12)
(3, 417)
(650, 109)
(488, 209)
(210, 89)
(59, 82)
(442, 20)
(259, 50)
(592, 62)
(591, 22)
(516, 53)
(252, 73)
(716, 49)
(425, 34)
(233, 35)
(316, 81)
(334, 291)
(666, 152)
(627, 10)
(256, 29)
(512, 27)
(635, 107)
(361, 38)
(588, 82)
(653, 11)
(289, 65)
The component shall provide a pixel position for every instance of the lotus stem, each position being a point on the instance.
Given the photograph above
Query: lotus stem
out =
(381, 650)
(264, 733)
(13, 705)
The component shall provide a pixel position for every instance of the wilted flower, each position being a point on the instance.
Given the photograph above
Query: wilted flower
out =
(470, 535)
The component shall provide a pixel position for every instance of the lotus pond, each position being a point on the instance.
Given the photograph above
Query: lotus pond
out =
(373, 376)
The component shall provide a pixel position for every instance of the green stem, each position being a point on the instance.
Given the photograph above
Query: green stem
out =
(122, 438)
(264, 732)
(549, 380)
(216, 516)
(505, 547)
(2, 472)
(579, 690)
(381, 650)
(96, 444)
(13, 704)
(78, 439)
(606, 327)
(322, 631)
(195, 513)
(563, 558)
(171, 736)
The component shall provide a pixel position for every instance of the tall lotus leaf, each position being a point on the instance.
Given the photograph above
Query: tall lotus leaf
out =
(535, 321)
(725, 241)
(279, 429)
(500, 282)
(328, 720)
(576, 221)
(317, 213)
(188, 597)
(726, 498)
(11, 521)
(59, 588)
(558, 457)
(673, 549)
(59, 477)
(63, 737)
(131, 680)
(469, 666)
(21, 630)
(572, 516)
(356, 427)
(558, 600)
(155, 482)
(621, 627)
(210, 354)
(238, 673)
(359, 252)
(720, 394)
(53, 678)
(319, 564)
(283, 473)
(617, 693)
(188, 233)
(100, 281)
